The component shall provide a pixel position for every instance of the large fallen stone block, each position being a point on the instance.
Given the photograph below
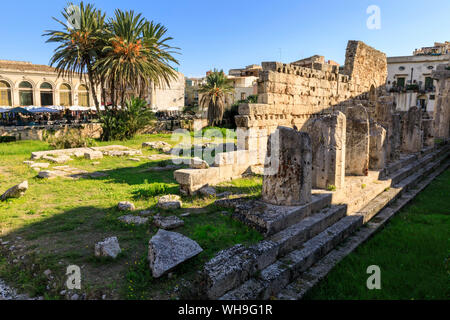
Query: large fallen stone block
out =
(169, 249)
(170, 202)
(287, 174)
(108, 248)
(93, 155)
(168, 223)
(15, 192)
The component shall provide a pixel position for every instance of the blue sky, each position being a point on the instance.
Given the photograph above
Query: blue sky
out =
(232, 34)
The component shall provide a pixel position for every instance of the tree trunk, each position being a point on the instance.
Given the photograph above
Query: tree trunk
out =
(93, 90)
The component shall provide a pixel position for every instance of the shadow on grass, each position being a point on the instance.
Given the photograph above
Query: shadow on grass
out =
(68, 238)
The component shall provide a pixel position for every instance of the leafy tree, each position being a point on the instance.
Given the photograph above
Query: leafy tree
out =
(214, 92)
(79, 48)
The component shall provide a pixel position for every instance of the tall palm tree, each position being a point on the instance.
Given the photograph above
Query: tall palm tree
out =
(214, 92)
(135, 54)
(79, 47)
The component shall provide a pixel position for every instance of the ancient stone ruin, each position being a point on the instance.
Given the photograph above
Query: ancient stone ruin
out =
(335, 153)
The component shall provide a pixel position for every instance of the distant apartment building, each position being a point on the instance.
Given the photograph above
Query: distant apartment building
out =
(410, 78)
(245, 82)
(191, 91)
(26, 84)
(438, 49)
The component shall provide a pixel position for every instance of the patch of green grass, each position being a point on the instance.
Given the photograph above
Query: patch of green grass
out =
(412, 251)
(60, 221)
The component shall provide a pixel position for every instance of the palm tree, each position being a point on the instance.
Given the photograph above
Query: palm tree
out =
(214, 92)
(135, 55)
(79, 48)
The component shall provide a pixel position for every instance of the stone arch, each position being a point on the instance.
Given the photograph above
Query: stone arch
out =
(47, 93)
(6, 92)
(26, 90)
(65, 93)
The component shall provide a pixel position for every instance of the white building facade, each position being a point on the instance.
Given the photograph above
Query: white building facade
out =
(26, 84)
(410, 80)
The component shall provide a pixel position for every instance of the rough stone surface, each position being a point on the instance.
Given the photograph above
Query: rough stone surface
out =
(328, 137)
(412, 139)
(158, 145)
(378, 147)
(197, 163)
(208, 191)
(287, 175)
(58, 159)
(126, 206)
(357, 141)
(169, 249)
(129, 219)
(108, 248)
(15, 192)
(168, 223)
(93, 155)
(169, 202)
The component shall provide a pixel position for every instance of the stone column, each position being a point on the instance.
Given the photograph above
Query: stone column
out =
(378, 146)
(357, 142)
(287, 172)
(328, 137)
(412, 140)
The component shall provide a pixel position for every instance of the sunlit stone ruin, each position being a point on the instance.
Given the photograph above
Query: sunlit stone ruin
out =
(335, 153)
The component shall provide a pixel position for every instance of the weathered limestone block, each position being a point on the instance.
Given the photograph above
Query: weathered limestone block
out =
(15, 192)
(412, 140)
(170, 202)
(287, 173)
(93, 155)
(126, 206)
(328, 137)
(108, 248)
(357, 141)
(428, 132)
(378, 146)
(169, 249)
(168, 223)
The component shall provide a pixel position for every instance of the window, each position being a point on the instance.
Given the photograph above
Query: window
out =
(243, 96)
(401, 82)
(401, 68)
(5, 94)
(83, 96)
(65, 95)
(428, 83)
(46, 94)
(25, 94)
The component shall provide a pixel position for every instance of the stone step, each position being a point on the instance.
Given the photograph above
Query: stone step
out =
(386, 198)
(270, 219)
(294, 236)
(300, 286)
(412, 180)
(233, 266)
(276, 276)
(405, 171)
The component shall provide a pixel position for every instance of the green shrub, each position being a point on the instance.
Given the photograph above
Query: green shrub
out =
(125, 123)
(70, 138)
(331, 187)
(7, 139)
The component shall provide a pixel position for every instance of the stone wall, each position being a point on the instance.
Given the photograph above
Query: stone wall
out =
(295, 96)
(90, 130)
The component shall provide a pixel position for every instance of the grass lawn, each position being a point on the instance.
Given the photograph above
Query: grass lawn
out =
(58, 222)
(412, 251)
